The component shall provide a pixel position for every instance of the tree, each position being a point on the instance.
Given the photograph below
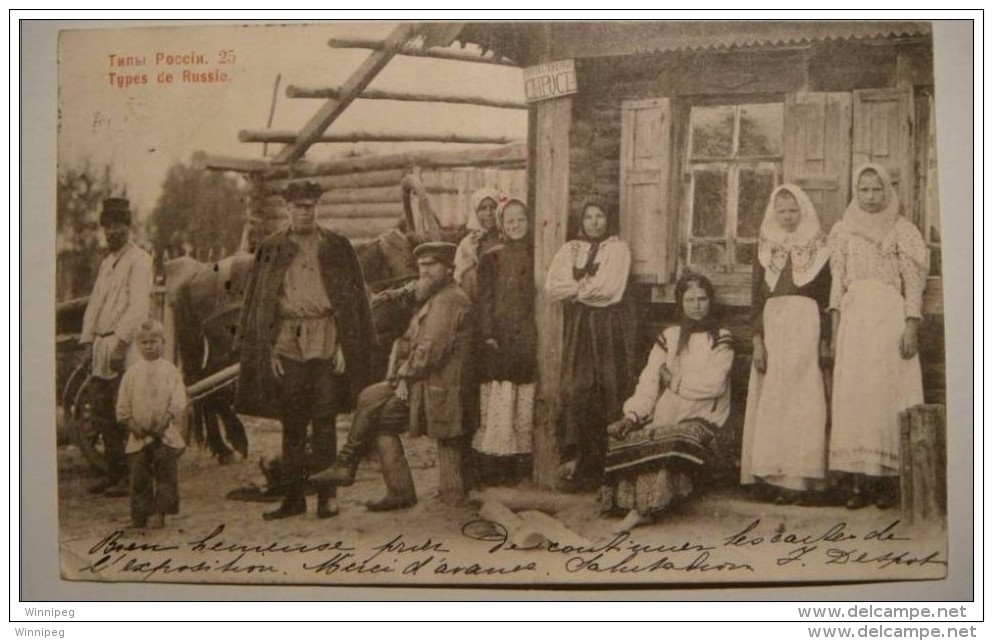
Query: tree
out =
(78, 195)
(199, 210)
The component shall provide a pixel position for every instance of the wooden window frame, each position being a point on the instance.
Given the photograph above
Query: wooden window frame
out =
(733, 164)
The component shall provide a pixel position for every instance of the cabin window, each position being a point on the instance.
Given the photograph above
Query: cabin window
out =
(734, 161)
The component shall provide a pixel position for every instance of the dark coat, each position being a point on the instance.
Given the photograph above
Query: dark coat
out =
(259, 324)
(431, 357)
(506, 313)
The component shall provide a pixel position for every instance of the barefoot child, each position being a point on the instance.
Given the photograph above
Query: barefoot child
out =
(151, 403)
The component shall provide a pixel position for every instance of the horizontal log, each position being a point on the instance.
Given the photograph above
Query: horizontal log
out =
(359, 228)
(296, 91)
(201, 161)
(361, 210)
(510, 155)
(288, 136)
(342, 196)
(346, 181)
(418, 52)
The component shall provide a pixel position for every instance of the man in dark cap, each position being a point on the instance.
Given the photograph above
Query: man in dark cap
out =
(422, 392)
(120, 301)
(305, 337)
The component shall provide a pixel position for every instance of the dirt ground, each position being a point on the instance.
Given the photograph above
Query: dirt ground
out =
(715, 517)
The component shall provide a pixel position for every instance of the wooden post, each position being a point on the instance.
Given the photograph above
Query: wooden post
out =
(922, 458)
(550, 154)
(451, 485)
(295, 91)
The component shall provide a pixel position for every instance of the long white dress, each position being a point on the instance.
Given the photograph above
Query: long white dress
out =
(876, 286)
(784, 440)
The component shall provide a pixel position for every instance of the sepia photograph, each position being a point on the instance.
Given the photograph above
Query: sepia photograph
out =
(526, 304)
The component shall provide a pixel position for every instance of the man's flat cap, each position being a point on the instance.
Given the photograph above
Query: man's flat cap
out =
(440, 251)
(302, 190)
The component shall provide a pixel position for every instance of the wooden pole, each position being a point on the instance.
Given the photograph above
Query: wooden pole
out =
(296, 91)
(385, 178)
(451, 484)
(511, 155)
(287, 136)
(553, 119)
(418, 52)
(358, 81)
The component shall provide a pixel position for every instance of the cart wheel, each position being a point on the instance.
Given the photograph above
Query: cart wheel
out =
(80, 416)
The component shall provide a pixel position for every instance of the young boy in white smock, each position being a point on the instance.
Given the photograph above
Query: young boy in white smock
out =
(152, 404)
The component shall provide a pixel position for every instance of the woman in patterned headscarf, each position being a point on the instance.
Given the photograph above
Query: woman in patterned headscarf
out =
(784, 440)
(879, 270)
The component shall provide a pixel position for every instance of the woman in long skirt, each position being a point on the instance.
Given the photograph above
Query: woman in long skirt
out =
(784, 443)
(682, 399)
(879, 271)
(589, 275)
(509, 334)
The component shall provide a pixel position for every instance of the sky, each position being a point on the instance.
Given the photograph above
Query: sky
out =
(143, 129)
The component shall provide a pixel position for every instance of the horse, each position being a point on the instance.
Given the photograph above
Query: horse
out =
(206, 300)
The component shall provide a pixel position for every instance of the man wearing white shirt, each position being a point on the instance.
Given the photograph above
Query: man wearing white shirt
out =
(119, 302)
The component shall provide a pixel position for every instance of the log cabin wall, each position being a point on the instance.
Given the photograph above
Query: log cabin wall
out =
(363, 205)
(882, 87)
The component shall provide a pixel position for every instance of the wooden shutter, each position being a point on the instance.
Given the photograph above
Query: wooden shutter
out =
(883, 133)
(645, 151)
(817, 152)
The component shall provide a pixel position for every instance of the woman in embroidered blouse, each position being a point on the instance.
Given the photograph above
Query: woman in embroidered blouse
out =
(683, 396)
(785, 433)
(509, 334)
(879, 270)
(590, 274)
(483, 234)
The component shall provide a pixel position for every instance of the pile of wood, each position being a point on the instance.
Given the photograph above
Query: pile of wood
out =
(923, 463)
(530, 529)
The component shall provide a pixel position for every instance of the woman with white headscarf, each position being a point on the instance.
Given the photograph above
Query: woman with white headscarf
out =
(483, 234)
(879, 269)
(785, 432)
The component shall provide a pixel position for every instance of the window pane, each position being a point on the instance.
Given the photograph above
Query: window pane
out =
(761, 131)
(710, 195)
(713, 128)
(708, 255)
(755, 185)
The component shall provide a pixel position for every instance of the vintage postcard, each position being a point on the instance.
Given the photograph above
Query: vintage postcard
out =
(479, 304)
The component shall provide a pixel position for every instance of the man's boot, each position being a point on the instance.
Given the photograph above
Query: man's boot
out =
(342, 471)
(400, 492)
(293, 504)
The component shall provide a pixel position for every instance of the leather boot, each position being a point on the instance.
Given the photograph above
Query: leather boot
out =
(400, 492)
(342, 471)
(293, 505)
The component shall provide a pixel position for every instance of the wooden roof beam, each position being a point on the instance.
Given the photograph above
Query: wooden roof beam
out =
(355, 84)
(513, 154)
(418, 52)
(295, 91)
(287, 136)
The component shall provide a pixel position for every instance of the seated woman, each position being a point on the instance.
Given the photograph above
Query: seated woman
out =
(683, 397)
